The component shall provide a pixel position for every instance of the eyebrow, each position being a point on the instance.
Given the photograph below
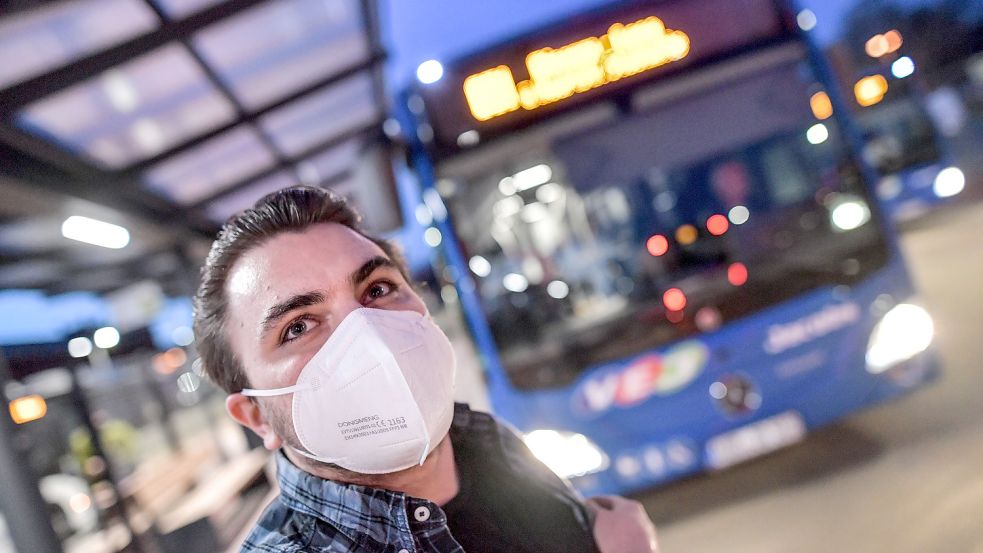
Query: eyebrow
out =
(275, 313)
(365, 271)
(278, 311)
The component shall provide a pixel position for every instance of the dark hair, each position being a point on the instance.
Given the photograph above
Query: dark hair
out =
(288, 210)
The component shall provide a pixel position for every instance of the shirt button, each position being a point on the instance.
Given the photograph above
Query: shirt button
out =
(421, 514)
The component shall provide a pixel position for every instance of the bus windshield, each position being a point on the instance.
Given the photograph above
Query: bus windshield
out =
(898, 135)
(665, 212)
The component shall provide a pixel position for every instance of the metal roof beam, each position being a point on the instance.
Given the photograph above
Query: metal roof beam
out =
(48, 166)
(137, 168)
(16, 97)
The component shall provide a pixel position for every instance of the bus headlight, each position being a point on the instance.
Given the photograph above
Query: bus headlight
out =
(847, 212)
(949, 182)
(566, 453)
(905, 331)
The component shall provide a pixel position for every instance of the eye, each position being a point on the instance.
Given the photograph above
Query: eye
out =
(296, 329)
(379, 289)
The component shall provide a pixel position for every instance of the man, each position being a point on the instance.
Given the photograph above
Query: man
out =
(330, 357)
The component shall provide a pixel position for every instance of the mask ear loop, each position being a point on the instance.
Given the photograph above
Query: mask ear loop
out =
(283, 391)
(312, 456)
(274, 391)
(426, 451)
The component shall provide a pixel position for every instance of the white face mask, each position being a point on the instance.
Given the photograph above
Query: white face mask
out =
(378, 396)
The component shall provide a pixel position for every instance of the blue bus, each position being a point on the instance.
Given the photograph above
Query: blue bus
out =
(667, 262)
(902, 143)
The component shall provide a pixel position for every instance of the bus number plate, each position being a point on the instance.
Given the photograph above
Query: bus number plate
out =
(755, 439)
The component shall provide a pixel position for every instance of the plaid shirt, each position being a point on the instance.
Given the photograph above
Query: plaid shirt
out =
(314, 515)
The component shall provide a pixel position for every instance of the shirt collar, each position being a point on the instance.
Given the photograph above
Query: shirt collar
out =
(359, 510)
(355, 510)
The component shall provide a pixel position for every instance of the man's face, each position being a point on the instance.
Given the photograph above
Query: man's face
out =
(288, 295)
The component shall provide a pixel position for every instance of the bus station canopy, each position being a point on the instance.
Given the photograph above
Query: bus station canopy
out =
(167, 116)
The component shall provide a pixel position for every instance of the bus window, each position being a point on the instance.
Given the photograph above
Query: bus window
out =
(899, 135)
(785, 174)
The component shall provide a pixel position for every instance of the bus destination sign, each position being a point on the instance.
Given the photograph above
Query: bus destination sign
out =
(594, 56)
(556, 74)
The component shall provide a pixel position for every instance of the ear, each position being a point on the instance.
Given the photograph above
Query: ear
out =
(248, 414)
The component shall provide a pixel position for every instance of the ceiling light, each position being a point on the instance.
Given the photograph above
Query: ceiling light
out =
(93, 231)
(106, 337)
(532, 177)
(79, 347)
(429, 71)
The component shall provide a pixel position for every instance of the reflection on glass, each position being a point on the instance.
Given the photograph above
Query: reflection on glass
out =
(177, 9)
(133, 111)
(711, 206)
(315, 118)
(272, 50)
(206, 169)
(225, 207)
(328, 164)
(41, 39)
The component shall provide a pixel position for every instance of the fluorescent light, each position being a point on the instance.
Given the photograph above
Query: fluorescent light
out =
(903, 67)
(549, 193)
(507, 207)
(806, 20)
(429, 71)
(533, 176)
(149, 135)
(514, 282)
(436, 205)
(448, 293)
(557, 289)
(817, 134)
(79, 347)
(106, 337)
(849, 214)
(534, 212)
(95, 232)
(949, 182)
(468, 138)
(391, 127)
(188, 382)
(120, 91)
(183, 336)
(432, 237)
(738, 214)
(423, 215)
(480, 266)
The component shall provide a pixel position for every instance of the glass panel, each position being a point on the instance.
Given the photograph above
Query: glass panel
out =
(346, 187)
(272, 50)
(222, 209)
(330, 163)
(223, 160)
(176, 9)
(42, 39)
(305, 123)
(370, 185)
(133, 111)
(601, 241)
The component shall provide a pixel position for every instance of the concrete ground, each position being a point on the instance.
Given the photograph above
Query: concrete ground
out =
(902, 477)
